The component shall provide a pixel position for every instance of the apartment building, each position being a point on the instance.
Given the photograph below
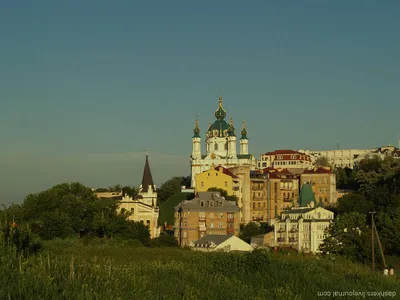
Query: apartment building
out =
(302, 228)
(207, 214)
(323, 182)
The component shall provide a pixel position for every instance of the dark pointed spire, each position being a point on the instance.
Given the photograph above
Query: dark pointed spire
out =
(147, 178)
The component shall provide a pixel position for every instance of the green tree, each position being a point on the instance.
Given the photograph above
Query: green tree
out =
(171, 187)
(322, 161)
(349, 236)
(389, 230)
(223, 193)
(249, 230)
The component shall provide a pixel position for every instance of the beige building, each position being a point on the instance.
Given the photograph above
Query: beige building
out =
(225, 243)
(323, 182)
(144, 207)
(302, 228)
(294, 161)
(218, 177)
(207, 214)
(273, 191)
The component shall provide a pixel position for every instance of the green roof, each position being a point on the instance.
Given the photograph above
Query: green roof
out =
(242, 156)
(221, 126)
(306, 196)
(167, 208)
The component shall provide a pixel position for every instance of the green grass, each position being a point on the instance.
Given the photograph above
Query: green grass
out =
(108, 269)
(167, 208)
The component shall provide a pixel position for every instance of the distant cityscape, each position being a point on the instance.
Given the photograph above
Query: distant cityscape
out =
(291, 190)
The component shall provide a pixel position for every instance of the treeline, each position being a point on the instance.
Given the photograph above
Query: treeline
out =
(376, 184)
(72, 210)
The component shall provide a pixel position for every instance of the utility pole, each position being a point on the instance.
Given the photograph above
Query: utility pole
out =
(372, 240)
(373, 232)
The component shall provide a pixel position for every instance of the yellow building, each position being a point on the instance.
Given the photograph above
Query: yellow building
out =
(207, 214)
(323, 182)
(144, 207)
(272, 191)
(217, 177)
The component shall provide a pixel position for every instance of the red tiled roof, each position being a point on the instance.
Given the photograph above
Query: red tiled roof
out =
(287, 155)
(320, 170)
(226, 171)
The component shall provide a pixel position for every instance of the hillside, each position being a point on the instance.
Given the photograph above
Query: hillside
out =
(107, 269)
(167, 208)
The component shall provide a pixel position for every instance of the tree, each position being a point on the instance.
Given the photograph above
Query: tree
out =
(223, 193)
(249, 230)
(349, 236)
(171, 187)
(322, 161)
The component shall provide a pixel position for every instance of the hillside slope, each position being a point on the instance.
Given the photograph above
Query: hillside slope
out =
(167, 208)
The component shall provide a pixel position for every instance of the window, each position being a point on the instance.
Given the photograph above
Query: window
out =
(220, 225)
(202, 214)
(216, 174)
(202, 184)
(230, 216)
(212, 225)
(221, 215)
(132, 211)
(216, 146)
(211, 215)
(202, 203)
(148, 223)
(226, 183)
(184, 234)
(211, 203)
(226, 146)
(326, 199)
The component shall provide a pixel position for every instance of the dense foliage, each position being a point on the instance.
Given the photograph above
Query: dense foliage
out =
(171, 187)
(67, 210)
(377, 188)
(223, 193)
(107, 269)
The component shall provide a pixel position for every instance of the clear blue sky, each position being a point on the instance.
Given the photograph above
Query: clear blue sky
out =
(87, 86)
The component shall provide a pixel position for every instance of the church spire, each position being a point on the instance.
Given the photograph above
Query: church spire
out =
(244, 131)
(147, 178)
(196, 129)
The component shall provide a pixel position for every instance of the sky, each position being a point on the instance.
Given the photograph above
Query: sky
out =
(87, 86)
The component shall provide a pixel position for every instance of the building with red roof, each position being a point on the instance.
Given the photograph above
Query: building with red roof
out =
(292, 160)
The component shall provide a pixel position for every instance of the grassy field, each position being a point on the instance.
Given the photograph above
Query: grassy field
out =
(72, 269)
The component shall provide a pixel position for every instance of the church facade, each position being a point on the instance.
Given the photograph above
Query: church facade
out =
(220, 145)
(144, 207)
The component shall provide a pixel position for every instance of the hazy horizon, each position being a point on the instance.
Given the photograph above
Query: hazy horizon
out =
(86, 87)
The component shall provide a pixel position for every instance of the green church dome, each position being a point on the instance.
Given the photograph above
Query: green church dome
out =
(307, 196)
(220, 128)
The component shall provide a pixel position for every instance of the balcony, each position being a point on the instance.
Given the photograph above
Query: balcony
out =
(287, 200)
(202, 228)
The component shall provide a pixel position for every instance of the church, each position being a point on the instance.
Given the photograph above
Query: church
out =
(221, 146)
(144, 207)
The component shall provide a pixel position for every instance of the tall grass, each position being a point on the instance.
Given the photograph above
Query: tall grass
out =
(71, 269)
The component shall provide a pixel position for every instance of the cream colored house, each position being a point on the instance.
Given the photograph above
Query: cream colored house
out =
(225, 243)
(144, 207)
(302, 228)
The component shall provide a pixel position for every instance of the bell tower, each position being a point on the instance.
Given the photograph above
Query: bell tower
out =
(244, 141)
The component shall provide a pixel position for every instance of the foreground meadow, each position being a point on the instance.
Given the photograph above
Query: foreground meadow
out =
(73, 269)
